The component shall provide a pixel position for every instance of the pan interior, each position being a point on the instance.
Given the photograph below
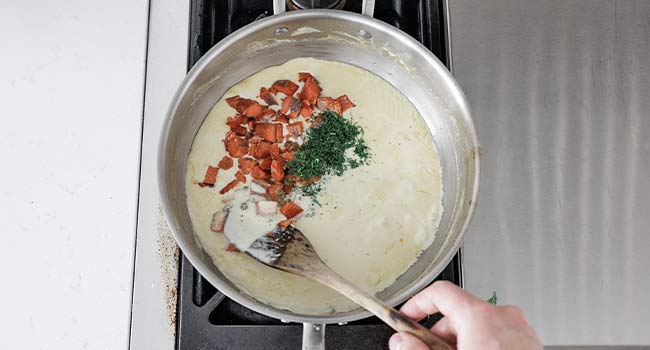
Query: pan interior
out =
(343, 37)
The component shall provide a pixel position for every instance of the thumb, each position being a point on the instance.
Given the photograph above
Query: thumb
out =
(405, 341)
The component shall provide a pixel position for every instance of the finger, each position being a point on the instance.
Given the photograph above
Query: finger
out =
(441, 296)
(445, 330)
(514, 312)
(405, 341)
(394, 341)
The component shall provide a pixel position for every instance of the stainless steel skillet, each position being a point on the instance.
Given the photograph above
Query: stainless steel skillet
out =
(346, 37)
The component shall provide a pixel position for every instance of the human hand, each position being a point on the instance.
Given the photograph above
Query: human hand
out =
(468, 322)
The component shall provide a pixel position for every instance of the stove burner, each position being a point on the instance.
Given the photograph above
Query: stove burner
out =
(315, 4)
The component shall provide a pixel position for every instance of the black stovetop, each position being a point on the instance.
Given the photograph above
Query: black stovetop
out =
(206, 319)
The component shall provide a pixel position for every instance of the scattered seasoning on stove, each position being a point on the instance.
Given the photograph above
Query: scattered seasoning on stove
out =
(331, 147)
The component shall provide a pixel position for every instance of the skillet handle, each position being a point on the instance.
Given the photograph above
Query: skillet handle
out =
(368, 8)
(319, 272)
(279, 6)
(313, 336)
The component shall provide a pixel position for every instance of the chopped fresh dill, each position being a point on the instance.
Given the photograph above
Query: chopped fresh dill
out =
(493, 299)
(332, 146)
(312, 190)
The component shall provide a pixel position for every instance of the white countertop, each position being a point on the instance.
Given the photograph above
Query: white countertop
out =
(156, 266)
(71, 91)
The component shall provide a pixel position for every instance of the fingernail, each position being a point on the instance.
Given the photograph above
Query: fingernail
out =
(395, 341)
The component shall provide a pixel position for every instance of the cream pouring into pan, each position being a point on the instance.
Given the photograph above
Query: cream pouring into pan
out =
(346, 37)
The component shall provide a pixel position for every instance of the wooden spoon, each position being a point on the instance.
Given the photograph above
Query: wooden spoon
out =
(289, 250)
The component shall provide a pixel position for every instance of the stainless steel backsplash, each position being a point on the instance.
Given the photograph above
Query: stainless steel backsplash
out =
(560, 91)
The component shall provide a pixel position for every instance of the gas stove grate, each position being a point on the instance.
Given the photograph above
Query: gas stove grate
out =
(206, 319)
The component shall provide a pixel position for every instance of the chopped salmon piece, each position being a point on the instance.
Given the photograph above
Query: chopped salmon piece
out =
(291, 107)
(289, 155)
(290, 210)
(253, 109)
(231, 136)
(232, 248)
(267, 97)
(258, 187)
(329, 104)
(240, 104)
(303, 76)
(246, 165)
(239, 130)
(324, 102)
(229, 186)
(277, 170)
(345, 103)
(295, 129)
(233, 101)
(226, 163)
(255, 139)
(236, 121)
(218, 221)
(281, 119)
(310, 90)
(287, 188)
(286, 87)
(260, 174)
(240, 176)
(306, 110)
(210, 177)
(273, 191)
(269, 131)
(279, 132)
(285, 223)
(236, 146)
(266, 208)
(251, 124)
(295, 105)
(260, 150)
(268, 113)
(275, 151)
(286, 105)
(266, 164)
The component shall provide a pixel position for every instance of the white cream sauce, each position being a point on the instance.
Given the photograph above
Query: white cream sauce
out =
(374, 220)
(243, 225)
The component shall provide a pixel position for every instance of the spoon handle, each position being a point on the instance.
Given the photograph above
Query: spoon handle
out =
(387, 314)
